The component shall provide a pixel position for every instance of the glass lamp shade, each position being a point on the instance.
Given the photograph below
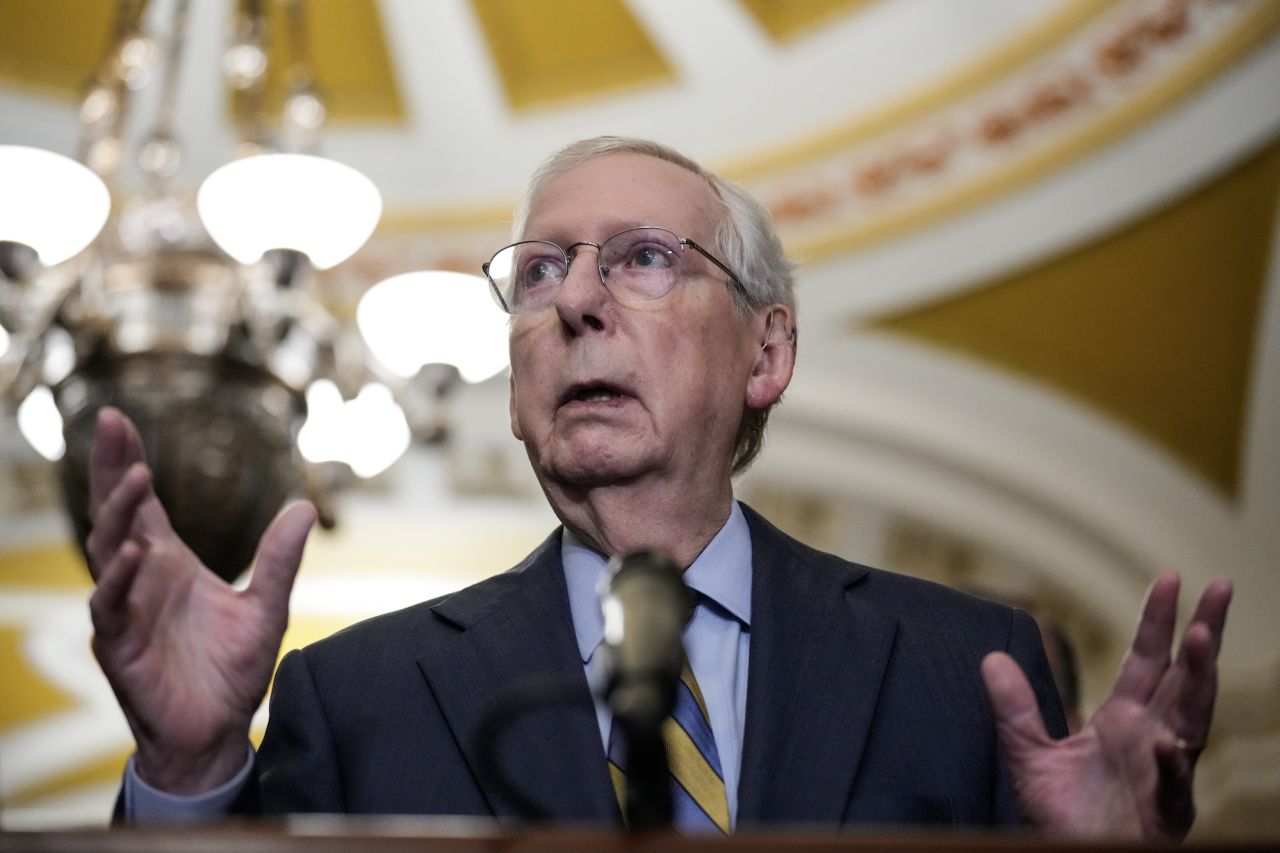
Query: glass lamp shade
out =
(368, 433)
(51, 203)
(421, 318)
(313, 205)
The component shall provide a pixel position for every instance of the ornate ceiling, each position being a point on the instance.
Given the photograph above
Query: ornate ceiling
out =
(1040, 296)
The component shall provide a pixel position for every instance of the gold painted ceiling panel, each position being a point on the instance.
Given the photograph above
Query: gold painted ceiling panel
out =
(53, 45)
(1153, 325)
(348, 54)
(785, 19)
(563, 51)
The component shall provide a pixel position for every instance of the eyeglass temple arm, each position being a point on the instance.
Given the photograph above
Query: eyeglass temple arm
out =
(724, 269)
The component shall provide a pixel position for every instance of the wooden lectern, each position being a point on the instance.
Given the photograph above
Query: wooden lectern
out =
(394, 835)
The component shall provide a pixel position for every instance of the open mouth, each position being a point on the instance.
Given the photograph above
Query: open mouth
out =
(595, 392)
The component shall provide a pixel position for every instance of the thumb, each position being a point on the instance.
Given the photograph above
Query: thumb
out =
(1018, 721)
(280, 554)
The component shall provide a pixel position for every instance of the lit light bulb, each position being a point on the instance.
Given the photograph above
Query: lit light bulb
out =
(59, 356)
(41, 424)
(377, 432)
(421, 318)
(320, 439)
(51, 203)
(313, 205)
(368, 433)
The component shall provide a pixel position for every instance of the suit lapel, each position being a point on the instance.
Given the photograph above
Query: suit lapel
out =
(817, 659)
(507, 630)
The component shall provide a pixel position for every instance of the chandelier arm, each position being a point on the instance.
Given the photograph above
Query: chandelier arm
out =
(160, 155)
(101, 139)
(20, 367)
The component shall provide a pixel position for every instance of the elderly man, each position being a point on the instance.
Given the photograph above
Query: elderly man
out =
(653, 327)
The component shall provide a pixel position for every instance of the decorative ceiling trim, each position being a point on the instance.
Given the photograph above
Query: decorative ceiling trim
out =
(1250, 29)
(1156, 58)
(399, 220)
(1018, 51)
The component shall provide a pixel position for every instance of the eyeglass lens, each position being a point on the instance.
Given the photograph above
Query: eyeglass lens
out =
(638, 264)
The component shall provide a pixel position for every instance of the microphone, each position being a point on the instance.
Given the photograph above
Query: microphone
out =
(645, 611)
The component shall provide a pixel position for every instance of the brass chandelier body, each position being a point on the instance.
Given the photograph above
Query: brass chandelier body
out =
(209, 358)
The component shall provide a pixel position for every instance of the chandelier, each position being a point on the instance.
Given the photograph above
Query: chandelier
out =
(200, 314)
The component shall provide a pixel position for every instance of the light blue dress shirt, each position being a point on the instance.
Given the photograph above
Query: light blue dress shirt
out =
(717, 639)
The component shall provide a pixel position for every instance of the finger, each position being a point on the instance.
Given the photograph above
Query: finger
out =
(115, 516)
(1211, 610)
(1013, 702)
(1147, 660)
(116, 447)
(280, 554)
(1191, 683)
(1190, 687)
(1197, 689)
(108, 606)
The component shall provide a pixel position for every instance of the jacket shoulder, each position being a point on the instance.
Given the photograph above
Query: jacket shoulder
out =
(404, 630)
(914, 602)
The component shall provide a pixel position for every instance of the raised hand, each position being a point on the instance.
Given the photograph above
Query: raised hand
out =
(1128, 772)
(188, 656)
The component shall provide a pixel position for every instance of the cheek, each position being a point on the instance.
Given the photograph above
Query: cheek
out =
(529, 357)
(707, 361)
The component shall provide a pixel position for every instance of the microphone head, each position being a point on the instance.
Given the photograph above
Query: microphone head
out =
(645, 612)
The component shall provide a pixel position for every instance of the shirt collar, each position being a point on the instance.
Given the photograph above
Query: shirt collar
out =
(722, 573)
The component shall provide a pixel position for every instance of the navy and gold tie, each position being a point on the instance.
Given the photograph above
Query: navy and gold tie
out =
(698, 796)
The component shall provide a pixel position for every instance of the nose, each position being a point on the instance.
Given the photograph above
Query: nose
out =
(582, 300)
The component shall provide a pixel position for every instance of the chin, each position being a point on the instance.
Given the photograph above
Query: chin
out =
(583, 474)
(586, 467)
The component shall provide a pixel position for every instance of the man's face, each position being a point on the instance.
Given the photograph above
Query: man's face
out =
(606, 392)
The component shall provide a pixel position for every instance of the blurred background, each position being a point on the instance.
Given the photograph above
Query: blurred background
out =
(1039, 305)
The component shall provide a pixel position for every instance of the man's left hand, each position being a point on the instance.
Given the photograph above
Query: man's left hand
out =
(1128, 773)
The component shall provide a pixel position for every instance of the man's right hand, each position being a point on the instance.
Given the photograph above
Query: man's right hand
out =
(188, 656)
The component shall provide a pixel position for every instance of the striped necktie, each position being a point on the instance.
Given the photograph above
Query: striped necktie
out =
(698, 797)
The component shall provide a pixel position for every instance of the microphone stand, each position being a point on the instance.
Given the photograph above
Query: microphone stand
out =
(645, 612)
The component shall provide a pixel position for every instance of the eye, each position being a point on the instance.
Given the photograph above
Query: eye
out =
(540, 270)
(648, 256)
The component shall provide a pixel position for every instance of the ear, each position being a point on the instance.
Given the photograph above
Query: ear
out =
(511, 404)
(776, 358)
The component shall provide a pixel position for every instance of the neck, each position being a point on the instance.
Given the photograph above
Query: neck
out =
(617, 519)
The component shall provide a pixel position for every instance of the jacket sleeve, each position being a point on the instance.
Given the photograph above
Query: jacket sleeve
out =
(297, 767)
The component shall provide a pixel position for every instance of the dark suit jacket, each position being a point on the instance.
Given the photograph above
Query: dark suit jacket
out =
(864, 704)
